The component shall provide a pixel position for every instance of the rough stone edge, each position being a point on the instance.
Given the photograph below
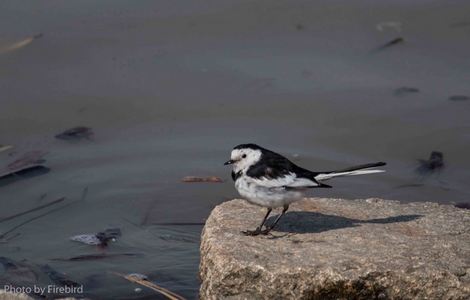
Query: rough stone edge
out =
(22, 296)
(375, 287)
(4, 295)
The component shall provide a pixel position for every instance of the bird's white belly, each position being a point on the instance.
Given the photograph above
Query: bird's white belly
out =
(266, 196)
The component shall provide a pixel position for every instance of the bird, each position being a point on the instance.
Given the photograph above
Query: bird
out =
(268, 179)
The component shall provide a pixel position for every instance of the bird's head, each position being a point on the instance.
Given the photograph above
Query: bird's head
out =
(244, 156)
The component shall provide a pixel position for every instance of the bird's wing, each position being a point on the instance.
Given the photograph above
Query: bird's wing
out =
(288, 180)
(275, 171)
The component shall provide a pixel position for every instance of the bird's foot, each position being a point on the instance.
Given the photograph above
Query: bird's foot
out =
(266, 231)
(255, 232)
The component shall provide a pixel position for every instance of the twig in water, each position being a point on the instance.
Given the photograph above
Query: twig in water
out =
(32, 210)
(202, 179)
(33, 219)
(10, 238)
(85, 191)
(5, 147)
(19, 44)
(167, 293)
(95, 256)
(393, 42)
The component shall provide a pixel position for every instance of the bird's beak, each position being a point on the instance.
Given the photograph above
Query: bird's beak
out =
(229, 162)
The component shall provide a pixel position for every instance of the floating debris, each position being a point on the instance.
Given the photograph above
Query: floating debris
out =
(202, 179)
(89, 239)
(145, 282)
(382, 26)
(5, 147)
(58, 278)
(32, 210)
(108, 235)
(4, 234)
(29, 158)
(299, 26)
(98, 239)
(20, 44)
(96, 256)
(459, 98)
(6, 240)
(395, 41)
(76, 133)
(22, 173)
(138, 276)
(405, 90)
(433, 164)
(409, 185)
(27, 165)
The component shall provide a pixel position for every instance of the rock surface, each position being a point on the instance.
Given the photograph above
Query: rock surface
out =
(338, 249)
(13, 296)
(21, 296)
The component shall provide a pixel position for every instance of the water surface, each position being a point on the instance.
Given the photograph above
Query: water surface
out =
(169, 88)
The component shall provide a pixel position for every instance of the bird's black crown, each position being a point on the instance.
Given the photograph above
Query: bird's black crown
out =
(249, 146)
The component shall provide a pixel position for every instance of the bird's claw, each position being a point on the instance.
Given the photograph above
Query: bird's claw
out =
(256, 232)
(251, 232)
(265, 231)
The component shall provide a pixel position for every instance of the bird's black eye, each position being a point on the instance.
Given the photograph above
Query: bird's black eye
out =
(244, 156)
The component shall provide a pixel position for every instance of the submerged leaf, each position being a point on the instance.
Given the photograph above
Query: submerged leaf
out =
(89, 239)
(101, 238)
(405, 90)
(19, 44)
(433, 164)
(5, 147)
(459, 98)
(202, 179)
(76, 133)
(22, 173)
(27, 159)
(96, 256)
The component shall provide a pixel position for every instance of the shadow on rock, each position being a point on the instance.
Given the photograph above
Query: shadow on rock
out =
(313, 222)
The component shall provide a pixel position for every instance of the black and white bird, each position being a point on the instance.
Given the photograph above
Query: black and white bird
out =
(270, 180)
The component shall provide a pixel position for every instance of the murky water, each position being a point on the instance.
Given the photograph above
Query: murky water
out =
(169, 88)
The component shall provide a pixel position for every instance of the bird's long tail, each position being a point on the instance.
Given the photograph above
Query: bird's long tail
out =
(356, 170)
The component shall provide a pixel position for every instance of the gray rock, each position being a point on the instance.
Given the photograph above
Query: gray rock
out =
(13, 296)
(338, 249)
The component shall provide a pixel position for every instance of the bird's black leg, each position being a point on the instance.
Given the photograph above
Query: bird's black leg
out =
(268, 229)
(258, 229)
